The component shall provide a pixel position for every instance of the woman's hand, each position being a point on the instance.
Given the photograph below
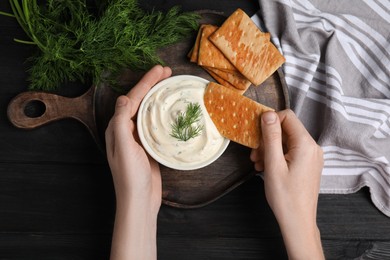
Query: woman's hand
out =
(292, 163)
(136, 176)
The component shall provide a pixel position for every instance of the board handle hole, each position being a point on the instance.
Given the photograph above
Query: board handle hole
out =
(34, 108)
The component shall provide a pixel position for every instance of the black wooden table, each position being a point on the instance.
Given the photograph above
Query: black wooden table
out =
(57, 197)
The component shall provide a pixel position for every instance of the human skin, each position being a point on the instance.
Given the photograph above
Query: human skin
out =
(136, 176)
(292, 163)
(291, 160)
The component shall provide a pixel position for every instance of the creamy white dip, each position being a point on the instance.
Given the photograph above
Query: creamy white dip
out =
(160, 110)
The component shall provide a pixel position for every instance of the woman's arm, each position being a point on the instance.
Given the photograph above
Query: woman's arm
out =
(136, 176)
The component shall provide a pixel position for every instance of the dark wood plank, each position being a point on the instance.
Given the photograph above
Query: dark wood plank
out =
(40, 246)
(257, 248)
(339, 216)
(378, 250)
(352, 216)
(96, 246)
(57, 199)
(221, 248)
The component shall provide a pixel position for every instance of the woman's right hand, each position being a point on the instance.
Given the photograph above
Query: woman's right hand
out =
(292, 163)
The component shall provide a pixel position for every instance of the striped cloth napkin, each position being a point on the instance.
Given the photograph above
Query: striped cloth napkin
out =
(338, 73)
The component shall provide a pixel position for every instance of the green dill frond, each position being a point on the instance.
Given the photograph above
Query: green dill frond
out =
(7, 14)
(81, 45)
(185, 126)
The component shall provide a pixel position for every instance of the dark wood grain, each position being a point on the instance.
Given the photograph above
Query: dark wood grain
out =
(57, 199)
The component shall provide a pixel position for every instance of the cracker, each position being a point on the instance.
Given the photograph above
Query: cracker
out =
(271, 62)
(235, 116)
(209, 55)
(247, 48)
(193, 55)
(233, 77)
(223, 82)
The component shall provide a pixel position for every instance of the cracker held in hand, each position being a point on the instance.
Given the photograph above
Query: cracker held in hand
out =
(235, 116)
(247, 48)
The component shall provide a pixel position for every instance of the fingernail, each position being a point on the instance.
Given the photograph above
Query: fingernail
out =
(269, 118)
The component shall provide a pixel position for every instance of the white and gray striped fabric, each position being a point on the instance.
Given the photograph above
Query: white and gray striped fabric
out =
(337, 70)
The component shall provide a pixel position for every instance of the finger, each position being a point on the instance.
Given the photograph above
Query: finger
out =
(293, 129)
(166, 73)
(272, 141)
(138, 92)
(256, 157)
(257, 154)
(109, 134)
(110, 142)
(151, 77)
(121, 129)
(259, 166)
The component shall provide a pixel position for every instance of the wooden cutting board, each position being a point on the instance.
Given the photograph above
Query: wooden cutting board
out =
(183, 189)
(189, 189)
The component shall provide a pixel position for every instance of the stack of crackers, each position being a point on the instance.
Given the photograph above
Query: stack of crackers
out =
(237, 54)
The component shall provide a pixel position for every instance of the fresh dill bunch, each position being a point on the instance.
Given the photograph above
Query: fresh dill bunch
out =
(75, 44)
(185, 126)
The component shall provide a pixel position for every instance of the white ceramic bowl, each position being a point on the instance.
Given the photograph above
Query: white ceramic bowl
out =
(156, 114)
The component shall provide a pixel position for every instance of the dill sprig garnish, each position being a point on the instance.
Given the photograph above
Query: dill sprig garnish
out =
(185, 126)
(78, 44)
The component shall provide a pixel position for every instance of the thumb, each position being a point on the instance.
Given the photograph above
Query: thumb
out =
(272, 141)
